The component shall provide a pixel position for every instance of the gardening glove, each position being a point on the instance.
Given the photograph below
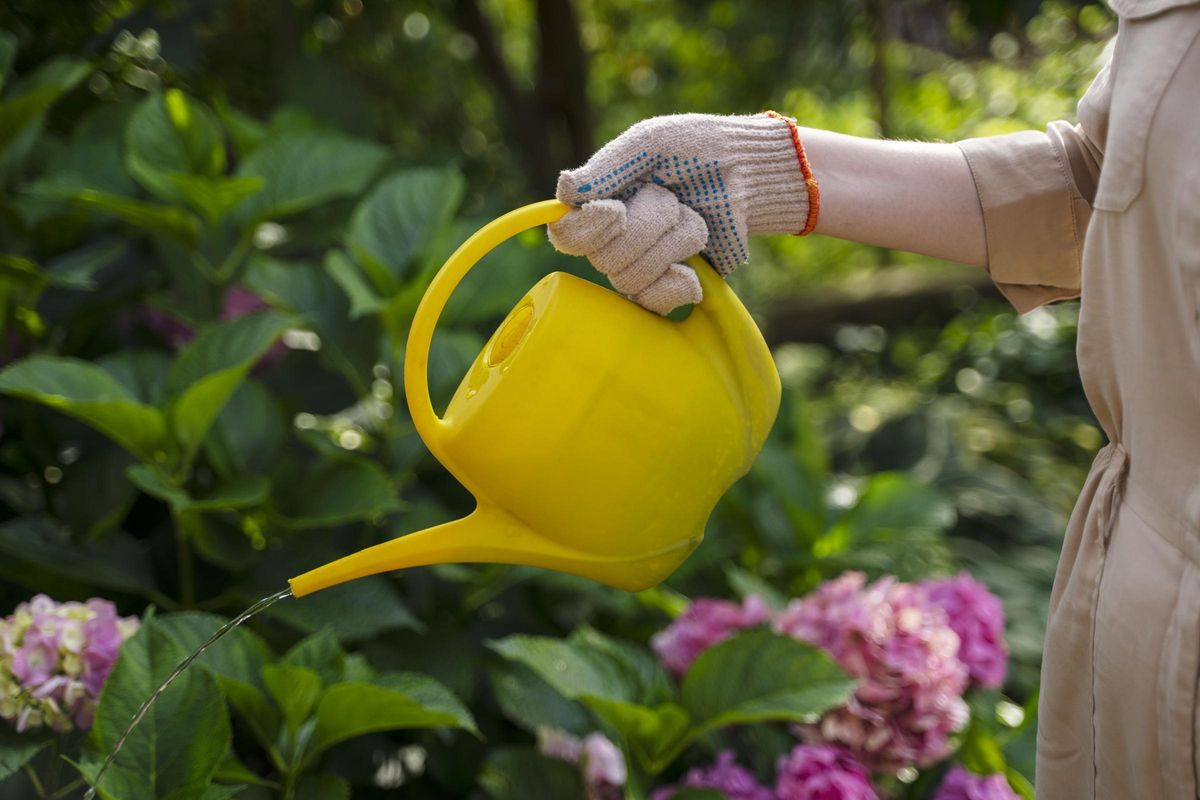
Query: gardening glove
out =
(741, 175)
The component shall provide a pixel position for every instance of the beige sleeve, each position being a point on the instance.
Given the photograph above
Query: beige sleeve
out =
(1036, 191)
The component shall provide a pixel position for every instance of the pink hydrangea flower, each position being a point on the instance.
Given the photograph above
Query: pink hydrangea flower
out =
(977, 616)
(822, 772)
(54, 660)
(706, 622)
(601, 761)
(905, 655)
(959, 784)
(726, 776)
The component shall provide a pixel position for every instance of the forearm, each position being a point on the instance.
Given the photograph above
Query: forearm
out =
(913, 196)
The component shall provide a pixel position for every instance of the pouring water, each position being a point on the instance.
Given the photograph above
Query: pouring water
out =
(261, 605)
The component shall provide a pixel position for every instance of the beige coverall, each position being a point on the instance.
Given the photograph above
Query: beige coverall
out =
(1109, 211)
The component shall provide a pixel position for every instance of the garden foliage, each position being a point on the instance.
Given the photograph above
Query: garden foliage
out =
(204, 311)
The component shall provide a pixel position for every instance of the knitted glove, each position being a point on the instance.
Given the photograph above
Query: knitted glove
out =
(742, 175)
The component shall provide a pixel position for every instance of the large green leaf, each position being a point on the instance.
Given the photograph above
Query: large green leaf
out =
(168, 221)
(334, 493)
(393, 702)
(142, 372)
(530, 702)
(163, 756)
(31, 547)
(240, 654)
(520, 773)
(361, 609)
(88, 393)
(349, 347)
(246, 436)
(363, 297)
(395, 222)
(169, 134)
(573, 670)
(303, 170)
(759, 676)
(210, 368)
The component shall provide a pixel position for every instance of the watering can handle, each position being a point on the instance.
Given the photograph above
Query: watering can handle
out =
(420, 334)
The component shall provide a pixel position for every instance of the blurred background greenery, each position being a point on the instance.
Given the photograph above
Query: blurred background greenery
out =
(925, 426)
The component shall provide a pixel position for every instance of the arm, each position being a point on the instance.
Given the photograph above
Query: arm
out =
(911, 196)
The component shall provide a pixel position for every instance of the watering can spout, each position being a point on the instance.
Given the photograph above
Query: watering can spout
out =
(491, 536)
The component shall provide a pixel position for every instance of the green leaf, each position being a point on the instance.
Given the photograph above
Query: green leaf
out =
(18, 113)
(150, 217)
(655, 735)
(303, 170)
(520, 773)
(214, 197)
(320, 653)
(142, 372)
(692, 793)
(162, 757)
(234, 771)
(348, 347)
(759, 676)
(171, 134)
(898, 526)
(211, 367)
(532, 703)
(246, 436)
(90, 394)
(252, 705)
(18, 749)
(573, 670)
(334, 493)
(76, 269)
(33, 546)
(295, 691)
(240, 654)
(363, 298)
(395, 222)
(395, 702)
(361, 609)
(244, 493)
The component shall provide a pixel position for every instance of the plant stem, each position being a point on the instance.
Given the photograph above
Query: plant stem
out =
(35, 780)
(67, 790)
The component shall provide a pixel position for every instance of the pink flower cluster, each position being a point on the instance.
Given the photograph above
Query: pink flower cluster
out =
(603, 765)
(959, 784)
(905, 654)
(822, 772)
(977, 616)
(808, 772)
(706, 622)
(726, 776)
(54, 659)
(915, 648)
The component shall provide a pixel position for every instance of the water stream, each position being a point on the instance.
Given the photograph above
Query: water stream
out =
(261, 605)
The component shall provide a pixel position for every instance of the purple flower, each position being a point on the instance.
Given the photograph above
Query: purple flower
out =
(959, 784)
(601, 761)
(726, 776)
(706, 622)
(977, 616)
(822, 772)
(901, 648)
(54, 660)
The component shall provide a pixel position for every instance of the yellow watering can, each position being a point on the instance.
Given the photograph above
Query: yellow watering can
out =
(595, 436)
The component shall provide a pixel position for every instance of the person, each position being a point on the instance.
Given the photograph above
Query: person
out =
(1106, 210)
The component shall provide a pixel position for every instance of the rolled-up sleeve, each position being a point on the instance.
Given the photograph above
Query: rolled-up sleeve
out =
(1036, 190)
